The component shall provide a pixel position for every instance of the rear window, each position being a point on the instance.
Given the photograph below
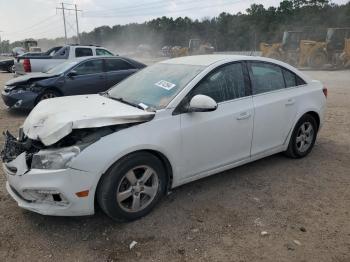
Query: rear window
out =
(79, 52)
(62, 53)
(292, 79)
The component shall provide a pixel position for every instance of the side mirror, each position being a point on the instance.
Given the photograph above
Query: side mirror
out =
(72, 73)
(202, 103)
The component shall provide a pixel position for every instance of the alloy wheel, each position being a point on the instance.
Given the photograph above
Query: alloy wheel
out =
(137, 188)
(305, 137)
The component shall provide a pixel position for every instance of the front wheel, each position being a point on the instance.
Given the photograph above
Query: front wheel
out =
(132, 187)
(303, 137)
(47, 94)
(10, 69)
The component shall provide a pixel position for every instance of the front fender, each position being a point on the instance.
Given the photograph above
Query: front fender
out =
(101, 155)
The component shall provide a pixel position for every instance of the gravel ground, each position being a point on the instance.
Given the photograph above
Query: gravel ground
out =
(303, 205)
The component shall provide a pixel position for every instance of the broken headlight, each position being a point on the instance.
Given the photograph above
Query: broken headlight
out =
(54, 158)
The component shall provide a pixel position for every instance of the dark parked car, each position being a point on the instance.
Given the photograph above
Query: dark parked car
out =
(6, 65)
(85, 75)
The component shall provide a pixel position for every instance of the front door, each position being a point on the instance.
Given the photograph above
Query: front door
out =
(215, 139)
(89, 78)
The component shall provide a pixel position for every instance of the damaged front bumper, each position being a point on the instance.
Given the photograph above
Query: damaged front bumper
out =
(48, 192)
(21, 99)
(52, 192)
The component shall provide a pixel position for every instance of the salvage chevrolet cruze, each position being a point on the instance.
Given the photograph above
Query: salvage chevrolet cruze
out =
(167, 125)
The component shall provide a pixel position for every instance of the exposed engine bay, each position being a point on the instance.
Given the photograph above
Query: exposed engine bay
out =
(13, 146)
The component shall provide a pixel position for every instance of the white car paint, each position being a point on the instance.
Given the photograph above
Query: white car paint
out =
(195, 144)
(53, 119)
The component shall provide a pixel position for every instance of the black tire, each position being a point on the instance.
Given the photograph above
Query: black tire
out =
(10, 69)
(294, 147)
(111, 182)
(317, 60)
(47, 94)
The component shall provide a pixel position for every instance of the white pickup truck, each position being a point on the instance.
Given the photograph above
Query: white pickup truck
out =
(43, 63)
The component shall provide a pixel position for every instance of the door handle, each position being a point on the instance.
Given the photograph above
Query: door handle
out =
(243, 115)
(290, 102)
(101, 77)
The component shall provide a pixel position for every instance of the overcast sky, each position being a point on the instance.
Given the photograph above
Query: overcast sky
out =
(21, 19)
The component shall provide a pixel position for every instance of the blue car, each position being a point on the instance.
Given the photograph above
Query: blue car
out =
(86, 75)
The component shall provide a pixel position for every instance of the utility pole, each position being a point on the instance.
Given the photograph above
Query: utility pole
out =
(76, 19)
(64, 19)
(0, 42)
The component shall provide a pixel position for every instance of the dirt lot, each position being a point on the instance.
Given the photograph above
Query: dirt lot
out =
(303, 204)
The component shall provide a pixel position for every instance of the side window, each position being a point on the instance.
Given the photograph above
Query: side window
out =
(265, 77)
(225, 83)
(83, 51)
(117, 64)
(89, 67)
(100, 51)
(292, 79)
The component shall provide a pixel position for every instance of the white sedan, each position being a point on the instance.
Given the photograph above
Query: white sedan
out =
(172, 123)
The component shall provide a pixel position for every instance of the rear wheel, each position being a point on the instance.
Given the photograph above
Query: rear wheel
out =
(303, 137)
(132, 187)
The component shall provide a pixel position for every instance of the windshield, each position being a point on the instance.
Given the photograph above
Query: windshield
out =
(61, 68)
(155, 86)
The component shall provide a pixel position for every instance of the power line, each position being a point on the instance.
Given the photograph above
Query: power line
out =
(152, 5)
(125, 14)
(40, 23)
(128, 7)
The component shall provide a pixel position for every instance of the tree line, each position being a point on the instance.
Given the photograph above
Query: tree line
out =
(240, 31)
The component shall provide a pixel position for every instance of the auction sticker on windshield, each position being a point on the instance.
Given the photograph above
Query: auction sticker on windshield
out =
(165, 84)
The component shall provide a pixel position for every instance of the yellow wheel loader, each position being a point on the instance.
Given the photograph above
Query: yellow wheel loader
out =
(195, 47)
(287, 50)
(345, 56)
(333, 52)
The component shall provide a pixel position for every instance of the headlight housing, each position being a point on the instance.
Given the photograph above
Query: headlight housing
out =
(54, 159)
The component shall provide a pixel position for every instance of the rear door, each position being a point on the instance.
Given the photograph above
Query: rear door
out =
(215, 139)
(89, 78)
(274, 105)
(118, 69)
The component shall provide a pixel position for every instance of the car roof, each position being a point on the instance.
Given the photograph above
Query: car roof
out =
(83, 58)
(205, 60)
(208, 60)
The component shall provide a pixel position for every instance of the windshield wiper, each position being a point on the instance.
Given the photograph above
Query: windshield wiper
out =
(120, 99)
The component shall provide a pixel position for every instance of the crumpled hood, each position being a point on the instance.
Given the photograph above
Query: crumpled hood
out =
(30, 76)
(53, 119)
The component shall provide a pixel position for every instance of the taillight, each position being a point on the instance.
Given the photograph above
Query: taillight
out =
(26, 65)
(325, 91)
